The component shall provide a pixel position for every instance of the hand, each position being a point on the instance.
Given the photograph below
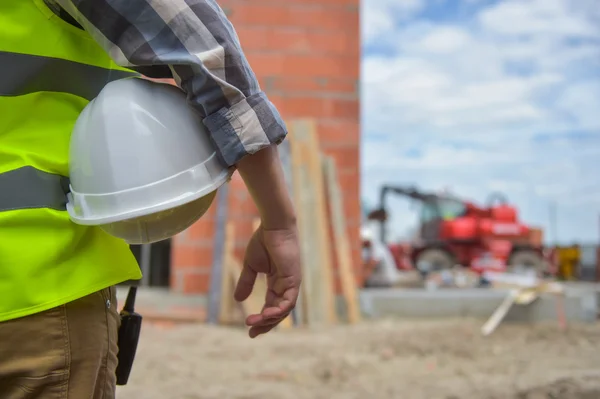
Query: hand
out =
(275, 253)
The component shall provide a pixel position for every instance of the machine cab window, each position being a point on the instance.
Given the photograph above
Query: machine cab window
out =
(442, 208)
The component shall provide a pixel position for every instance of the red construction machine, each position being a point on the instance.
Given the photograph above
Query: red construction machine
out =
(453, 232)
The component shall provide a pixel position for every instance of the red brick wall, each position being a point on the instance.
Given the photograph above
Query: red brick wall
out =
(306, 54)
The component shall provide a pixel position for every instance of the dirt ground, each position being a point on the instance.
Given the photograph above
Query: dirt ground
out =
(381, 359)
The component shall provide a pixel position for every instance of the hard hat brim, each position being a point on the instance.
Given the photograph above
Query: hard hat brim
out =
(101, 209)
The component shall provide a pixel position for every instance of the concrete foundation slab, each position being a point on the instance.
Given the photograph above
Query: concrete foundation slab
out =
(580, 305)
(161, 304)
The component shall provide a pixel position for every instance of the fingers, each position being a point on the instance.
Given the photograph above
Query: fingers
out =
(245, 284)
(262, 325)
(276, 309)
(267, 316)
(259, 330)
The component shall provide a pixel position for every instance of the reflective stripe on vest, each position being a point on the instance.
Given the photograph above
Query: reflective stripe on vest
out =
(25, 74)
(22, 74)
(28, 187)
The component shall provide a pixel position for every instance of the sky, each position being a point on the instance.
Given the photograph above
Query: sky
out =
(477, 96)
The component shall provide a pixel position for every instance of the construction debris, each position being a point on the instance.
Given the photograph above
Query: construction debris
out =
(524, 290)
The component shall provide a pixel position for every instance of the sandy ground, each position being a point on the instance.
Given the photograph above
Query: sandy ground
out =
(382, 359)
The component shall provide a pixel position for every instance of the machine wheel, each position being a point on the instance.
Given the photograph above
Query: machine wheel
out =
(437, 259)
(527, 259)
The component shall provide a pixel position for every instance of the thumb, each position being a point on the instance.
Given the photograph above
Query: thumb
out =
(245, 284)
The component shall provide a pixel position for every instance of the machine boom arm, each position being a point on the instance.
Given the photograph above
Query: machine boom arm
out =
(406, 191)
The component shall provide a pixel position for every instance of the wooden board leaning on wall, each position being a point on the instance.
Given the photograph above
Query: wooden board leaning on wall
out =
(316, 194)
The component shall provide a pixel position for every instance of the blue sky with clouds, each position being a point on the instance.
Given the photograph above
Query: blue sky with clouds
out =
(485, 95)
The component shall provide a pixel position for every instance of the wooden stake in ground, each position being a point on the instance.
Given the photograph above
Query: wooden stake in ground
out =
(341, 242)
(525, 296)
(499, 314)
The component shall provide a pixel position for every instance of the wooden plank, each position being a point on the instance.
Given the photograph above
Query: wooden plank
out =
(311, 299)
(499, 314)
(285, 155)
(320, 213)
(341, 241)
(214, 293)
(254, 303)
(227, 307)
(260, 287)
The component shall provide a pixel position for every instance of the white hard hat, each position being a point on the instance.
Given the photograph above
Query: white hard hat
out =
(142, 166)
(366, 233)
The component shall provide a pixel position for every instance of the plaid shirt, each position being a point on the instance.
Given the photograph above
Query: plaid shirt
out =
(193, 42)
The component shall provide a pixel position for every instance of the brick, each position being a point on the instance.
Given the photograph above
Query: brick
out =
(305, 65)
(243, 233)
(167, 81)
(354, 236)
(345, 158)
(352, 209)
(251, 13)
(354, 222)
(242, 209)
(285, 86)
(329, 4)
(195, 282)
(202, 230)
(344, 4)
(315, 107)
(338, 132)
(185, 256)
(297, 41)
(349, 182)
(237, 183)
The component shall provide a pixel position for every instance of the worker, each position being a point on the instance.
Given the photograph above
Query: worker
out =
(58, 318)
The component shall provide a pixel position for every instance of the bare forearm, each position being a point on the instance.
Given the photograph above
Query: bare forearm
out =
(263, 174)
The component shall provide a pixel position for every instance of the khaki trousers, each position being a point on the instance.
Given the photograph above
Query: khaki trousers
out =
(69, 352)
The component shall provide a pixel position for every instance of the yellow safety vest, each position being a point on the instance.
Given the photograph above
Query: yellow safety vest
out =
(49, 71)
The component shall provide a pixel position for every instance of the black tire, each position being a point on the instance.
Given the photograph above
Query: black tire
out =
(526, 258)
(436, 258)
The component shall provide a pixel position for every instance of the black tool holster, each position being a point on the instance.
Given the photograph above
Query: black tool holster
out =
(129, 335)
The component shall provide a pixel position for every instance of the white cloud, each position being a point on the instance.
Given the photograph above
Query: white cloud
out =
(489, 103)
(537, 17)
(378, 17)
(444, 40)
(375, 22)
(581, 101)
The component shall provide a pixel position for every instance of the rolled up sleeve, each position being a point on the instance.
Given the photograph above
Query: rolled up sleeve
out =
(195, 42)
